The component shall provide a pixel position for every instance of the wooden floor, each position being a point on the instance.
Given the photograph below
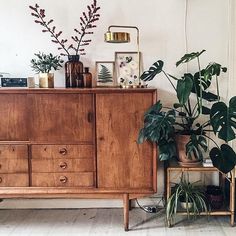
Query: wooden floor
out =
(109, 222)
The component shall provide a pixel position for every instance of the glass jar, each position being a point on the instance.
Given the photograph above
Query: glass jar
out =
(74, 72)
(87, 78)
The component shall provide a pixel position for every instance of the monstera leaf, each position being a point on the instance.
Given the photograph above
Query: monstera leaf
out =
(195, 146)
(166, 149)
(223, 119)
(189, 57)
(213, 69)
(157, 124)
(223, 158)
(184, 88)
(155, 69)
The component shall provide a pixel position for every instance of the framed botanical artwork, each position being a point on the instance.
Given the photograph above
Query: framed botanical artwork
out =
(127, 68)
(105, 72)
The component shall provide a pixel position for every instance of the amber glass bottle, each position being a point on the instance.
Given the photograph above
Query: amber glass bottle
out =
(74, 72)
(87, 78)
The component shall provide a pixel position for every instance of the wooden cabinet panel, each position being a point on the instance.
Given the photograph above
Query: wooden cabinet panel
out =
(13, 151)
(84, 179)
(14, 180)
(63, 151)
(13, 113)
(121, 162)
(62, 117)
(62, 165)
(13, 165)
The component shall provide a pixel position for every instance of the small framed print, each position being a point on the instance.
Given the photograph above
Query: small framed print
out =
(127, 68)
(105, 72)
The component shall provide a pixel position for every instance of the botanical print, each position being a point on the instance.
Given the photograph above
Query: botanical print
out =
(127, 67)
(105, 73)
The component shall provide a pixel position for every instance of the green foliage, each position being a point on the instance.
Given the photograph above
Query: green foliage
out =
(223, 158)
(189, 193)
(161, 125)
(104, 75)
(223, 119)
(45, 63)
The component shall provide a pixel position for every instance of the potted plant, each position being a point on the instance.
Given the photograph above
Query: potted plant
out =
(74, 48)
(190, 119)
(188, 197)
(43, 64)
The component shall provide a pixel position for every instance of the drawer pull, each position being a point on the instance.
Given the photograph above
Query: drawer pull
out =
(63, 151)
(0, 166)
(63, 165)
(63, 179)
(0, 179)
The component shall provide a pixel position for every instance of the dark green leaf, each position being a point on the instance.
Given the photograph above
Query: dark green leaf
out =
(223, 118)
(167, 149)
(155, 69)
(224, 158)
(177, 105)
(206, 110)
(184, 88)
(189, 57)
(196, 146)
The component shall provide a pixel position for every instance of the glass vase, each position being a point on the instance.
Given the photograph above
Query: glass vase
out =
(74, 72)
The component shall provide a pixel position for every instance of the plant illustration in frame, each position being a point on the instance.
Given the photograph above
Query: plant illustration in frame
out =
(127, 68)
(105, 73)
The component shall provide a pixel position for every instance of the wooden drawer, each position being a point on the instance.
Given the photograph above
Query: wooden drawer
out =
(85, 179)
(14, 180)
(62, 165)
(14, 166)
(62, 151)
(13, 151)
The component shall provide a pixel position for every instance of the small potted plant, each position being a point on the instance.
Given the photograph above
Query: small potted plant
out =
(43, 65)
(187, 197)
(183, 130)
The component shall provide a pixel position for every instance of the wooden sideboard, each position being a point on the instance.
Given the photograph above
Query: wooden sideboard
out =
(76, 143)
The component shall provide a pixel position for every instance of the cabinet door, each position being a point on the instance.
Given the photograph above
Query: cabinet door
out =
(13, 113)
(66, 118)
(121, 162)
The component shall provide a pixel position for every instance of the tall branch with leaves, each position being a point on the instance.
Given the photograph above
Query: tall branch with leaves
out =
(87, 23)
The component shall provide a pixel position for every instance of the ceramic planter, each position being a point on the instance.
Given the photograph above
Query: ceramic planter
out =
(46, 80)
(184, 160)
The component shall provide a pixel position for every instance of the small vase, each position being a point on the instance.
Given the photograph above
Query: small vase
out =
(46, 80)
(74, 72)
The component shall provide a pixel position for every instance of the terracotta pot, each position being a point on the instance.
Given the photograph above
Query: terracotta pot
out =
(46, 80)
(184, 160)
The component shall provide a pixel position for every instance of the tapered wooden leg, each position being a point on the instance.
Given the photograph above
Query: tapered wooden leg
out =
(126, 211)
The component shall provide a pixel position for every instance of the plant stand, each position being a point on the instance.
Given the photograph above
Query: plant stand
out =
(178, 170)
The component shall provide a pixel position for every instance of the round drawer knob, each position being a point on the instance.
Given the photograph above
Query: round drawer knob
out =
(0, 179)
(63, 165)
(63, 179)
(63, 151)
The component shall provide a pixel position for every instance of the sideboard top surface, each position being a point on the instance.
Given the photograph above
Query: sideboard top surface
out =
(75, 90)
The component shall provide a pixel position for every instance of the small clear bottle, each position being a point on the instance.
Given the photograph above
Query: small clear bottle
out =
(87, 78)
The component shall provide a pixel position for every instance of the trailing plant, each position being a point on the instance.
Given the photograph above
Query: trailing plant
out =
(45, 63)
(80, 40)
(161, 124)
(192, 195)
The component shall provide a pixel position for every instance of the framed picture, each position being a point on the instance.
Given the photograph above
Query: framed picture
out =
(105, 72)
(127, 68)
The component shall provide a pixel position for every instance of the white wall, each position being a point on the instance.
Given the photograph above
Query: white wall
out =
(161, 26)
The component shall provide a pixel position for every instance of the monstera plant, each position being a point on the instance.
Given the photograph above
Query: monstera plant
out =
(197, 113)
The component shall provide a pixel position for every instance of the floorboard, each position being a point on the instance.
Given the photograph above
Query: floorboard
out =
(109, 222)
